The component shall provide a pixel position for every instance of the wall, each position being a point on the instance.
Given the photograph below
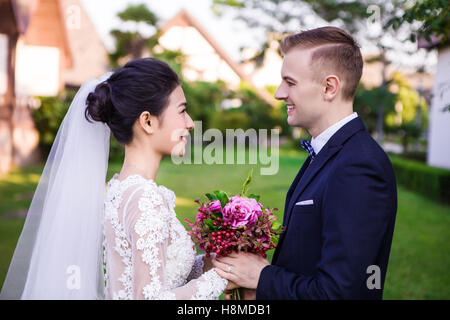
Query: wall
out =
(439, 135)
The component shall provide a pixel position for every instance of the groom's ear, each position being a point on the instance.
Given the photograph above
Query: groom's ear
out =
(332, 85)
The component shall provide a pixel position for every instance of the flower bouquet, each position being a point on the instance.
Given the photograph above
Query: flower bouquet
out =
(239, 223)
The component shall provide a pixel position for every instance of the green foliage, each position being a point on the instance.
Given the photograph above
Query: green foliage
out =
(132, 44)
(230, 119)
(204, 99)
(404, 123)
(346, 12)
(205, 104)
(222, 197)
(129, 44)
(260, 114)
(116, 150)
(247, 182)
(411, 102)
(48, 117)
(431, 182)
(175, 59)
(434, 16)
(138, 13)
(367, 102)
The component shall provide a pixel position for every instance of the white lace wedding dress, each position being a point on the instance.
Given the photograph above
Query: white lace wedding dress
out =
(147, 251)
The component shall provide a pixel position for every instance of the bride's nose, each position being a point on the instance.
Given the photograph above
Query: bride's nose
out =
(190, 123)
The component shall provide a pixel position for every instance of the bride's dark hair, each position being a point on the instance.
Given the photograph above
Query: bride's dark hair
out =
(141, 85)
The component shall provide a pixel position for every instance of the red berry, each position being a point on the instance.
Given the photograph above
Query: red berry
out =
(213, 238)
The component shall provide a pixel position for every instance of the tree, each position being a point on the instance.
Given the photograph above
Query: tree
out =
(279, 17)
(433, 17)
(411, 117)
(367, 19)
(133, 44)
(368, 101)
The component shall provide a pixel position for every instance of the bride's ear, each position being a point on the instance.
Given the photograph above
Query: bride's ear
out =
(147, 122)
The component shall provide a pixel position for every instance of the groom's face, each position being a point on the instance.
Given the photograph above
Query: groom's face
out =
(302, 93)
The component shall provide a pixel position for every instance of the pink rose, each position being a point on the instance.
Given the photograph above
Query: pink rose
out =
(215, 206)
(241, 211)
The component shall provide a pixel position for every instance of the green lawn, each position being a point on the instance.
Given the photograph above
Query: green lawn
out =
(420, 258)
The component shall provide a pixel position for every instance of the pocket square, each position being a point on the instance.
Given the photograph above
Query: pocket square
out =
(305, 202)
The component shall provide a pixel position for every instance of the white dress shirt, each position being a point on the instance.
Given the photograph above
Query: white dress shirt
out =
(318, 142)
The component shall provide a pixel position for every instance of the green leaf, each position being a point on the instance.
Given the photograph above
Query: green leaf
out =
(211, 197)
(277, 227)
(274, 239)
(247, 182)
(254, 196)
(222, 197)
(209, 223)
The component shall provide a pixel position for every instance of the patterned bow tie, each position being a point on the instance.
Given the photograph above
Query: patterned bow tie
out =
(307, 146)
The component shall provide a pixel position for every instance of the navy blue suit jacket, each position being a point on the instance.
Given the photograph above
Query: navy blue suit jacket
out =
(327, 246)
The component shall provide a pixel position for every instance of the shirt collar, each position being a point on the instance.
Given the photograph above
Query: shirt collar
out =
(321, 140)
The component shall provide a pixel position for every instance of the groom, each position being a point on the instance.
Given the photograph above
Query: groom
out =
(340, 209)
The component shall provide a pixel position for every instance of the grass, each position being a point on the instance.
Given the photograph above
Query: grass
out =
(420, 258)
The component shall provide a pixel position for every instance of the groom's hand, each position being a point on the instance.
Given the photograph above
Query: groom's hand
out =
(241, 268)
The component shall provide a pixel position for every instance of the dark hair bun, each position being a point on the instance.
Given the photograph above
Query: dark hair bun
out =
(141, 85)
(98, 103)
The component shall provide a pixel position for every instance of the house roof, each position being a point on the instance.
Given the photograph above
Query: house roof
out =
(184, 18)
(47, 27)
(89, 56)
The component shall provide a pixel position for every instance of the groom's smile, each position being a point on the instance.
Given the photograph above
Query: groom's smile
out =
(290, 109)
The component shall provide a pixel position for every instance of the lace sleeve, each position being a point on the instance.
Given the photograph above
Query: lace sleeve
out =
(147, 226)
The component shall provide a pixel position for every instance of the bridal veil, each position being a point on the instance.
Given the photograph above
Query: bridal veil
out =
(59, 252)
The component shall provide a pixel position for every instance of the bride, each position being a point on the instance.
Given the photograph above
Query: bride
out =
(80, 243)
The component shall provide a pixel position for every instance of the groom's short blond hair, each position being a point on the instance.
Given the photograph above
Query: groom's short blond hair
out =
(334, 51)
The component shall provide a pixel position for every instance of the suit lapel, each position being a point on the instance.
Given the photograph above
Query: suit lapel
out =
(288, 197)
(294, 184)
(333, 145)
(308, 172)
